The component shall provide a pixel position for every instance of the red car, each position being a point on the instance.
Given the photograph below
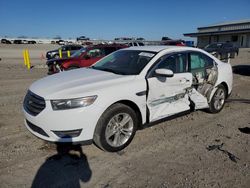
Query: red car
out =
(84, 57)
(174, 43)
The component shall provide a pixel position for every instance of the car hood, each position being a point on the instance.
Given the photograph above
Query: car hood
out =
(76, 83)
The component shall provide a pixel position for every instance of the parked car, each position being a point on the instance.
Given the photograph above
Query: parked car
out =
(173, 42)
(60, 42)
(189, 43)
(5, 41)
(166, 38)
(31, 42)
(17, 41)
(82, 38)
(87, 43)
(222, 48)
(140, 38)
(135, 44)
(55, 53)
(82, 58)
(107, 102)
(24, 42)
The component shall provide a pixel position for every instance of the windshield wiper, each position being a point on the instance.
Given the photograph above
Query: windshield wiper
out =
(108, 70)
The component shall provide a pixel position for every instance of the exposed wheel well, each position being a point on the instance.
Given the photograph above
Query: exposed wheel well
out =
(226, 87)
(135, 108)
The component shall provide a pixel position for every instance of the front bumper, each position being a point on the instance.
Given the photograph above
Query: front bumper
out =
(48, 123)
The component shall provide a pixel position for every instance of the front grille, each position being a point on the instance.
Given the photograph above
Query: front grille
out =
(36, 129)
(33, 104)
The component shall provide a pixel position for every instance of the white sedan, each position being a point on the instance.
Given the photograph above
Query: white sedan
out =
(107, 102)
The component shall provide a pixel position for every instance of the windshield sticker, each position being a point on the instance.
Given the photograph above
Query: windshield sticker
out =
(146, 54)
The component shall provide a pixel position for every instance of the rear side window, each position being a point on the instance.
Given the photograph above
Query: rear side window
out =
(200, 61)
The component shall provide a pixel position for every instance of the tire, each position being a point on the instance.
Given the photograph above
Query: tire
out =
(111, 134)
(218, 100)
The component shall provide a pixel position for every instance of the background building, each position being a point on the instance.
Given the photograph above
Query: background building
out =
(237, 32)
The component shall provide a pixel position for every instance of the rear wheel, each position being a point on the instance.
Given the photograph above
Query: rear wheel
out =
(218, 100)
(116, 128)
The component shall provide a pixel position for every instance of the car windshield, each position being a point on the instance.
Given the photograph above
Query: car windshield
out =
(78, 52)
(125, 62)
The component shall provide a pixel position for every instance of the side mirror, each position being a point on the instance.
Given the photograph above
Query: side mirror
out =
(164, 72)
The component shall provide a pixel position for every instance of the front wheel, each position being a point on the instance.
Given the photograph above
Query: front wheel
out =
(218, 100)
(116, 128)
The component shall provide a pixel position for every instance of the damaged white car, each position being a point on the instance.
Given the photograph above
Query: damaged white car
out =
(107, 102)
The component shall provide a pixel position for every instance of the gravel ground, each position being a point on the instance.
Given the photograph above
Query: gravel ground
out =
(196, 150)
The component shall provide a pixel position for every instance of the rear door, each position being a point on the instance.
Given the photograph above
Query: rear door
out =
(169, 95)
(202, 68)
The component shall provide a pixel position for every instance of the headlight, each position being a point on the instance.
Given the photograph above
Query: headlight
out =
(64, 104)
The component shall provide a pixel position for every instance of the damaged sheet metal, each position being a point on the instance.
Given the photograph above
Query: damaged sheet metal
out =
(169, 106)
(198, 99)
(169, 96)
(167, 99)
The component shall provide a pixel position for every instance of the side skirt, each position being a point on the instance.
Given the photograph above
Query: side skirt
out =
(151, 124)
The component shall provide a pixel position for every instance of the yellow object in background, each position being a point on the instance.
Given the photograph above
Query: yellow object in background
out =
(60, 53)
(68, 53)
(24, 58)
(28, 59)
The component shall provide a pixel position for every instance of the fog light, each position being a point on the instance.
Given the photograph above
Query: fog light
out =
(68, 134)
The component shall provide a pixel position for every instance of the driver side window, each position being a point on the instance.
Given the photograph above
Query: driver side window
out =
(176, 62)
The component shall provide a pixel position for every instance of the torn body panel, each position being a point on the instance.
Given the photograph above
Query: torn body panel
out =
(198, 99)
(169, 96)
(203, 87)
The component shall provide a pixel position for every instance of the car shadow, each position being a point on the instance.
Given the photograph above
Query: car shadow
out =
(65, 169)
(243, 70)
(247, 101)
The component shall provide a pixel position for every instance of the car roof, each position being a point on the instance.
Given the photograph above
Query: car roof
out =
(160, 48)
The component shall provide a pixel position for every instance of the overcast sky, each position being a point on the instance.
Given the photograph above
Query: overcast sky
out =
(107, 19)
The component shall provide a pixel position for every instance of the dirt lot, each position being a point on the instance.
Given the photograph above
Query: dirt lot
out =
(175, 153)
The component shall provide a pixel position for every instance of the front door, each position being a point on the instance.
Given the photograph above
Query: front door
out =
(169, 95)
